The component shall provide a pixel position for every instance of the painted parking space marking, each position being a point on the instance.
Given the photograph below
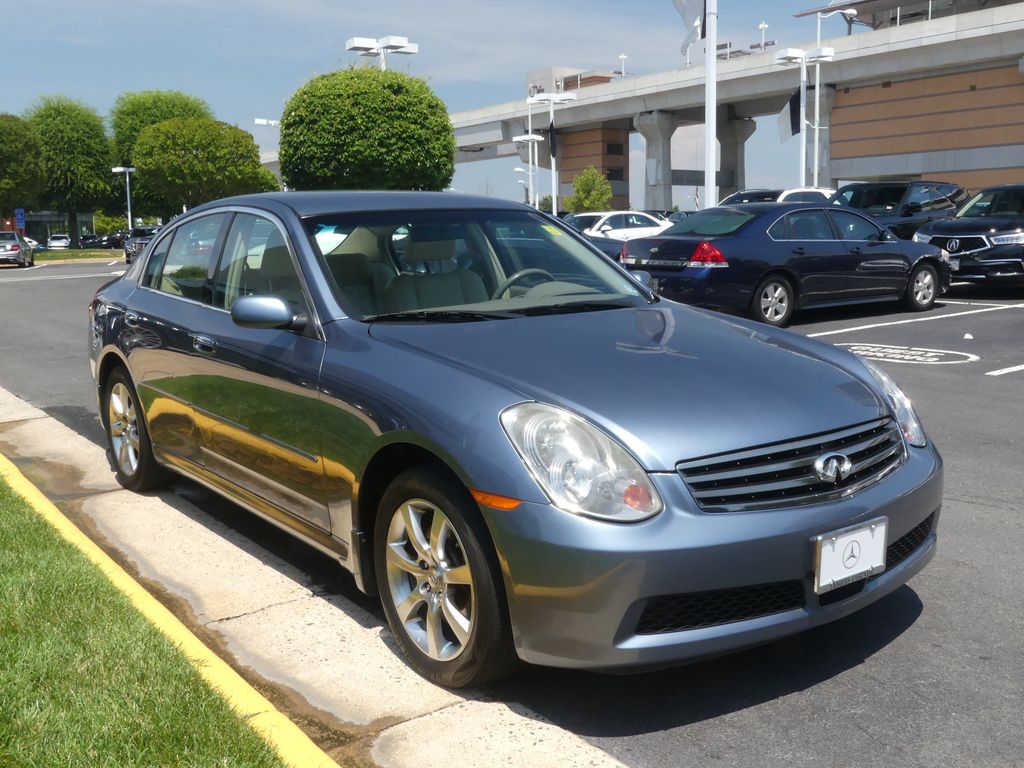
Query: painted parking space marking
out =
(1003, 371)
(35, 279)
(973, 303)
(890, 353)
(915, 320)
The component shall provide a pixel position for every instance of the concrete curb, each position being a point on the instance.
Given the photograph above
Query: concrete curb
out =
(294, 747)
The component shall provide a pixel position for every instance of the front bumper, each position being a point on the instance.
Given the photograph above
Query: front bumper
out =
(577, 588)
(1003, 264)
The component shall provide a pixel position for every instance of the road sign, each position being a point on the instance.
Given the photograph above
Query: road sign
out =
(19, 218)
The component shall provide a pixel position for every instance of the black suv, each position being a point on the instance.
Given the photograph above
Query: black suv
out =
(902, 206)
(985, 240)
(137, 242)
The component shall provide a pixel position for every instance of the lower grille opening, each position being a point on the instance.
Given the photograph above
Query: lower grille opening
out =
(672, 613)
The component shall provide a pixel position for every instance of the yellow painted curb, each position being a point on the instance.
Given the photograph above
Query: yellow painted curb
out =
(294, 747)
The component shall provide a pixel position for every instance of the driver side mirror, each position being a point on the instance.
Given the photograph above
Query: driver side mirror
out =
(644, 278)
(265, 312)
(911, 208)
(605, 228)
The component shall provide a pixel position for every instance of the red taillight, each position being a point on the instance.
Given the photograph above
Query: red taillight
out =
(707, 255)
(624, 252)
(15, 247)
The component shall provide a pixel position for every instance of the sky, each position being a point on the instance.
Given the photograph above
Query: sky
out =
(247, 57)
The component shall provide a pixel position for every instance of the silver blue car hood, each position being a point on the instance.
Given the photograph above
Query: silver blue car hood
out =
(669, 382)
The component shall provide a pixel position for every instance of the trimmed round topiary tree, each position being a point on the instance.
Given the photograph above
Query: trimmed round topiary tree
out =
(366, 129)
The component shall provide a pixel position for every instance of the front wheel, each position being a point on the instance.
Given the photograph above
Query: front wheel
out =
(922, 288)
(773, 301)
(441, 592)
(127, 436)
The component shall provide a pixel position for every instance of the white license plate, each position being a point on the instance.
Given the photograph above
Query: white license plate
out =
(849, 554)
(954, 264)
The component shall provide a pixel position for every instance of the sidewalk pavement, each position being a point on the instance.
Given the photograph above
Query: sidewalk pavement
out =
(335, 661)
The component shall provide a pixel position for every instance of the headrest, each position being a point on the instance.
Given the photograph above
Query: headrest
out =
(419, 251)
(350, 268)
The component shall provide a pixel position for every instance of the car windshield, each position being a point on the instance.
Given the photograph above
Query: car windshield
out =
(994, 202)
(714, 221)
(752, 196)
(871, 198)
(463, 265)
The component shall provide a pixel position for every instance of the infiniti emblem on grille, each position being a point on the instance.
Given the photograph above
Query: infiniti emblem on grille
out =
(833, 467)
(851, 554)
(953, 245)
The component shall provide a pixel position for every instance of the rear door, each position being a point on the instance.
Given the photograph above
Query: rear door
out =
(816, 256)
(877, 264)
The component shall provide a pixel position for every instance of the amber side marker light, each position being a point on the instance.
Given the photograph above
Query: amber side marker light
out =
(494, 500)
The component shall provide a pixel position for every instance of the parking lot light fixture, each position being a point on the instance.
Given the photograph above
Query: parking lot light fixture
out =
(369, 46)
(551, 99)
(127, 170)
(849, 14)
(799, 56)
(531, 140)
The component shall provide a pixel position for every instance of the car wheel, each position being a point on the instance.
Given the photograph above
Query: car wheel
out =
(773, 301)
(127, 436)
(441, 592)
(922, 288)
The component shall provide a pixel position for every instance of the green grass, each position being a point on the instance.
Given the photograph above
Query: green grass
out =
(85, 680)
(111, 254)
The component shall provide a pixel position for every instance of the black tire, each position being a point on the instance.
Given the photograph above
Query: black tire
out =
(922, 288)
(487, 651)
(773, 301)
(128, 444)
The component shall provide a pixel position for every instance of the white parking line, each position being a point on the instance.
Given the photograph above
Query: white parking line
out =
(113, 263)
(4, 280)
(915, 320)
(973, 303)
(1002, 371)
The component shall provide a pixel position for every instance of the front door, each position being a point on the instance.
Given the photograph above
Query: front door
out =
(877, 266)
(815, 255)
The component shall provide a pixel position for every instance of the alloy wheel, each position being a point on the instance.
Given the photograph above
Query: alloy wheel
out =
(924, 287)
(429, 579)
(774, 302)
(123, 422)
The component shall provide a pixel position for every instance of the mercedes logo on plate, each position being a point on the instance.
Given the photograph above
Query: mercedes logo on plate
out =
(833, 467)
(851, 554)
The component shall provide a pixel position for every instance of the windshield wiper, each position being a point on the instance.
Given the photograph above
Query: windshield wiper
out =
(438, 316)
(573, 306)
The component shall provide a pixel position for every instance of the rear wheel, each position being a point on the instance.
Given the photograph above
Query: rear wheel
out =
(773, 301)
(922, 288)
(127, 437)
(441, 592)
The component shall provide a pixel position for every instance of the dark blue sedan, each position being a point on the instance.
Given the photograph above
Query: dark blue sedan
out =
(770, 260)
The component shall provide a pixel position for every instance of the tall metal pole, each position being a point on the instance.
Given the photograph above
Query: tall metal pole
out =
(803, 119)
(817, 103)
(128, 189)
(710, 103)
(529, 147)
(554, 162)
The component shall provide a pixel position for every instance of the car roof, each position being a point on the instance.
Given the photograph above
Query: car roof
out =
(323, 202)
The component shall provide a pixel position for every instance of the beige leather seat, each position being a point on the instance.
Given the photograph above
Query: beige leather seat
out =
(442, 287)
(278, 275)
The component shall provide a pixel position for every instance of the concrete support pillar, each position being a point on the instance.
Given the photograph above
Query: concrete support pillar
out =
(657, 129)
(733, 133)
(828, 98)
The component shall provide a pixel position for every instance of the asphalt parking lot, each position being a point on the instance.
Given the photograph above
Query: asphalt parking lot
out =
(929, 676)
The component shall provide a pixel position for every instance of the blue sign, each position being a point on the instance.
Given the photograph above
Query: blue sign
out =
(19, 218)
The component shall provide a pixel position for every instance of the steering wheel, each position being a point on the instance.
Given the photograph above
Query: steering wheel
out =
(511, 280)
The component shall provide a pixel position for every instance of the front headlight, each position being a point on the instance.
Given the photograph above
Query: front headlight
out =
(919, 238)
(1015, 238)
(579, 467)
(902, 409)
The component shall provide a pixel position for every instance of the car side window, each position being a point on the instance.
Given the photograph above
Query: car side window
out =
(777, 231)
(808, 225)
(256, 261)
(182, 272)
(853, 227)
(618, 221)
(637, 220)
(155, 264)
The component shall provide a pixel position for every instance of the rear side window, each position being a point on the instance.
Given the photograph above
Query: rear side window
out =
(808, 225)
(181, 270)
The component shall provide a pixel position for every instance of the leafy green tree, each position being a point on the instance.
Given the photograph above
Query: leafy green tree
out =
(366, 129)
(136, 110)
(74, 157)
(544, 204)
(20, 170)
(105, 224)
(192, 160)
(591, 191)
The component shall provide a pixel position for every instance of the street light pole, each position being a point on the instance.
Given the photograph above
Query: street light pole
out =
(552, 99)
(849, 13)
(762, 26)
(127, 171)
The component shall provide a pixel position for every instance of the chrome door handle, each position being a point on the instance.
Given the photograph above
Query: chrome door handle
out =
(131, 318)
(203, 344)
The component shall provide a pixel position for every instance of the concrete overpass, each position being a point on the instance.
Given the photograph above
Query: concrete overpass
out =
(941, 98)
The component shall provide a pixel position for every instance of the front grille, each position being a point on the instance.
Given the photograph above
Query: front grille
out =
(783, 474)
(672, 613)
(908, 543)
(964, 244)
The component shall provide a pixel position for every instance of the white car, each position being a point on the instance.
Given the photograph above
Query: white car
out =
(619, 225)
(797, 195)
(58, 241)
(31, 243)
